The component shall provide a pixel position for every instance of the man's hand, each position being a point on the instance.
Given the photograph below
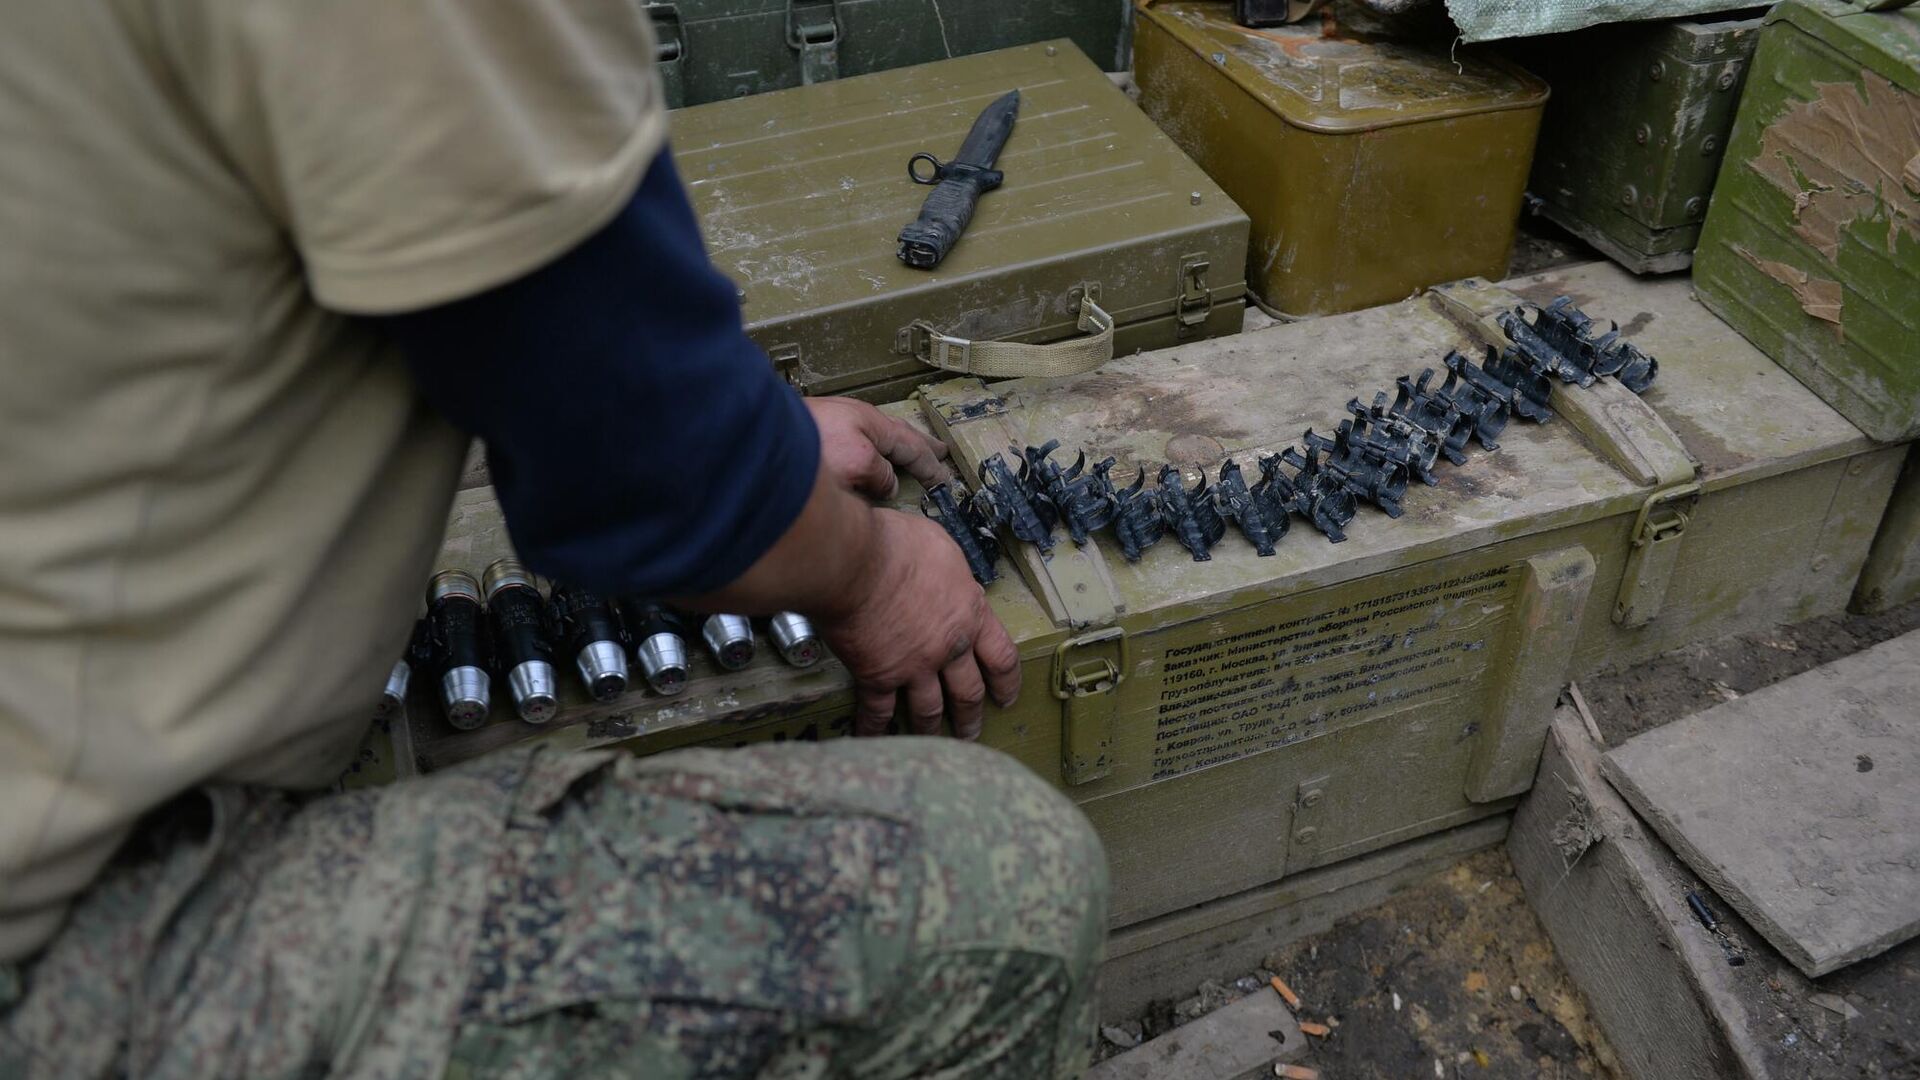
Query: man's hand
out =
(860, 447)
(919, 623)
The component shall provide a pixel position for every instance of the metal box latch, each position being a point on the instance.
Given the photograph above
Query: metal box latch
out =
(1196, 300)
(669, 49)
(814, 30)
(1086, 672)
(786, 361)
(1657, 533)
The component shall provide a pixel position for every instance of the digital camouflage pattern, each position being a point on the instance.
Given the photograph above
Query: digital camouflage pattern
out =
(871, 909)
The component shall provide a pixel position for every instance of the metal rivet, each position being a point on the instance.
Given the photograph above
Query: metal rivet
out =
(1819, 562)
(1725, 81)
(1709, 145)
(1306, 836)
(1629, 196)
(1642, 133)
(1696, 206)
(1051, 51)
(1656, 70)
(1856, 468)
(1194, 198)
(1310, 800)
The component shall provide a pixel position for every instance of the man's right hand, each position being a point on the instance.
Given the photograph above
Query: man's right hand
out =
(920, 624)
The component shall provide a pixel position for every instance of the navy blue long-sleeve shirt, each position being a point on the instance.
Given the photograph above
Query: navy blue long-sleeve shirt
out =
(638, 440)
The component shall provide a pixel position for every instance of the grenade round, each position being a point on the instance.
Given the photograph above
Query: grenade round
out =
(730, 639)
(590, 631)
(454, 617)
(519, 619)
(419, 656)
(794, 636)
(395, 692)
(659, 649)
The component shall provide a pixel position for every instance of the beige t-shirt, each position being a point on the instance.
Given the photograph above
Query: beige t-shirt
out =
(219, 496)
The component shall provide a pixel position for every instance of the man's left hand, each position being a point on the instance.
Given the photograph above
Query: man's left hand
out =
(861, 447)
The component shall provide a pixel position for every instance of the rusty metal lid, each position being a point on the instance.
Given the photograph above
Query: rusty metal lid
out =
(1325, 75)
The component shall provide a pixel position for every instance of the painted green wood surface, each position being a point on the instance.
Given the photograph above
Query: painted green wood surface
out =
(1812, 245)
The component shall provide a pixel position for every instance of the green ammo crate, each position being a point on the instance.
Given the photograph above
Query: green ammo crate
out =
(1372, 167)
(711, 50)
(802, 194)
(1231, 723)
(1632, 140)
(1812, 245)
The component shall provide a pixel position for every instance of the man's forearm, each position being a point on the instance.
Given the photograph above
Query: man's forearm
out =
(817, 567)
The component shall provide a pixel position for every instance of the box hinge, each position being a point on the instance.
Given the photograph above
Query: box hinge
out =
(1196, 300)
(1657, 532)
(670, 51)
(1086, 672)
(814, 30)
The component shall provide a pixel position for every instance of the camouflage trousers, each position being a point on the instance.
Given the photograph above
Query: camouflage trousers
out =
(864, 909)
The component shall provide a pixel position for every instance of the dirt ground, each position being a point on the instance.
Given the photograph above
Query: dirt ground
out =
(1453, 979)
(1628, 701)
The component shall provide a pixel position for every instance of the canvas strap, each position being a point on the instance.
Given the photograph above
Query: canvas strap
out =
(1013, 359)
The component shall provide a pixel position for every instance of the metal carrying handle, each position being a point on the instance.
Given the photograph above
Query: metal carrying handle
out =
(1012, 359)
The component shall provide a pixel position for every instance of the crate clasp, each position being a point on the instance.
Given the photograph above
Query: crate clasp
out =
(1657, 532)
(1086, 672)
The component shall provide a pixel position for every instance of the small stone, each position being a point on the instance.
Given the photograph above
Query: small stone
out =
(1396, 1001)
(1247, 984)
(1124, 1036)
(1514, 993)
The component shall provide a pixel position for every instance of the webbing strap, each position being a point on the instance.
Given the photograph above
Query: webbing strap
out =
(1012, 359)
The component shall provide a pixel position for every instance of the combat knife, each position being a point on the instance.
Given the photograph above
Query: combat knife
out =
(957, 185)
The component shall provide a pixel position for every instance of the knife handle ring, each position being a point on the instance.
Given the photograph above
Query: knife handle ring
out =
(939, 168)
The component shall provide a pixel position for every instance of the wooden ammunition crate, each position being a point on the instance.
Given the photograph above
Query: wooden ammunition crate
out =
(1231, 723)
(1811, 246)
(1891, 576)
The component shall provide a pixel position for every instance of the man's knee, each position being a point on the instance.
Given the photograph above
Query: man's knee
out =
(1009, 860)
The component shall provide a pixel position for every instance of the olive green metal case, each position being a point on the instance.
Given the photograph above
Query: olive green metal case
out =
(1229, 723)
(712, 50)
(1632, 139)
(802, 194)
(1812, 245)
(1371, 167)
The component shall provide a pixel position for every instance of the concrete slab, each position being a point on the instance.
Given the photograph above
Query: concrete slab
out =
(1241, 1040)
(1799, 804)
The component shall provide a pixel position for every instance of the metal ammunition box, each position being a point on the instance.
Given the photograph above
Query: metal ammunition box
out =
(1371, 167)
(1812, 244)
(1632, 140)
(711, 50)
(1229, 723)
(1891, 576)
(803, 192)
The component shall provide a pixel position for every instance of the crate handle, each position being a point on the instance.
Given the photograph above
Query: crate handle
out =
(1012, 359)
